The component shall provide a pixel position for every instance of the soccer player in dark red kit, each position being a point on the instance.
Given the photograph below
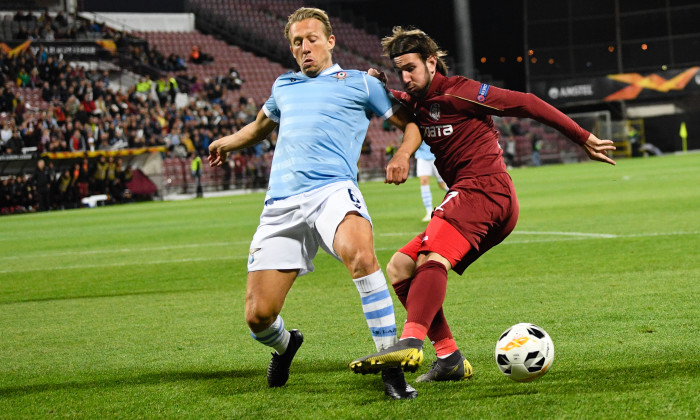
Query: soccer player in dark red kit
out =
(479, 210)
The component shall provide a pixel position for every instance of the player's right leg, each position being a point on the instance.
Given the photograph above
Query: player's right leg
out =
(282, 249)
(401, 270)
(265, 295)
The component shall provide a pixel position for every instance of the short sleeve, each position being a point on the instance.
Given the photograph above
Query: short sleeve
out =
(270, 107)
(381, 101)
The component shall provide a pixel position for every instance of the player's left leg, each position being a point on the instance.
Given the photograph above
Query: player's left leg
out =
(441, 182)
(353, 243)
(346, 233)
(427, 196)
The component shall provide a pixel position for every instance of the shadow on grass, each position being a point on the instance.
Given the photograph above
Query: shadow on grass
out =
(313, 379)
(591, 381)
(225, 382)
(97, 296)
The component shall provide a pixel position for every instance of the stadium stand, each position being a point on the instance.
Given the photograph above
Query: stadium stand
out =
(257, 72)
(153, 117)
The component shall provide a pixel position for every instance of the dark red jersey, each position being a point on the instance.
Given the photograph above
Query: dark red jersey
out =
(455, 121)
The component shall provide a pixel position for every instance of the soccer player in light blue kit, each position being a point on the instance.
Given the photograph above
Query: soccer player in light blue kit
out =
(425, 168)
(313, 199)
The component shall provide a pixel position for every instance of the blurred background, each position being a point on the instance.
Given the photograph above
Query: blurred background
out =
(118, 99)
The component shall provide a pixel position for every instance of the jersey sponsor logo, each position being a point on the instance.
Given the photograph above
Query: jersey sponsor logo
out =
(483, 92)
(437, 130)
(435, 112)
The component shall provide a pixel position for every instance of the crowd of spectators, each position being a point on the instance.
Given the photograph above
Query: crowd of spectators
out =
(145, 53)
(47, 188)
(86, 113)
(67, 27)
(51, 28)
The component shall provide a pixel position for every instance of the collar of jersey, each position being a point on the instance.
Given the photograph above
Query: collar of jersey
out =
(435, 85)
(330, 70)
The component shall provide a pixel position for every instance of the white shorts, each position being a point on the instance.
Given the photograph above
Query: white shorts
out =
(427, 168)
(292, 229)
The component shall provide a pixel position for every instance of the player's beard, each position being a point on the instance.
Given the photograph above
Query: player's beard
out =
(417, 92)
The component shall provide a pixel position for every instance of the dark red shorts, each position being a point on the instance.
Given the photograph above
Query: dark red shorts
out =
(480, 213)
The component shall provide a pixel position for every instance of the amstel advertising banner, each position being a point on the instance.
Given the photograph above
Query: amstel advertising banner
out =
(617, 87)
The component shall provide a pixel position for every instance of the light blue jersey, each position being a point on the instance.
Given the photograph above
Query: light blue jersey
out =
(323, 121)
(424, 152)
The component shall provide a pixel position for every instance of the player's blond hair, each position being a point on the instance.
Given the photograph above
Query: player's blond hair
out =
(303, 13)
(411, 40)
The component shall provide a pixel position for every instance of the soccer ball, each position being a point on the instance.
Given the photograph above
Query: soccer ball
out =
(524, 352)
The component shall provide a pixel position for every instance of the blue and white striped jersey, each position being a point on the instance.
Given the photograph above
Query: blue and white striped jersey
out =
(323, 121)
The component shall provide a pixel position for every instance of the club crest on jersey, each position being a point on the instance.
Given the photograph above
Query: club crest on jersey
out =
(435, 112)
(483, 91)
(341, 75)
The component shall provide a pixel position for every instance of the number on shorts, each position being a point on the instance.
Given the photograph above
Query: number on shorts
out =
(450, 196)
(354, 199)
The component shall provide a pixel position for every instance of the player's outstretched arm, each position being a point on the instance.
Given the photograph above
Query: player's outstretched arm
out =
(398, 166)
(397, 169)
(249, 135)
(597, 149)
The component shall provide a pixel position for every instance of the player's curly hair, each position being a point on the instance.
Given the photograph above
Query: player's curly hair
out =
(413, 40)
(308, 13)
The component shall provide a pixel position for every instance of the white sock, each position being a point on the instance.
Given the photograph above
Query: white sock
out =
(427, 197)
(274, 336)
(378, 308)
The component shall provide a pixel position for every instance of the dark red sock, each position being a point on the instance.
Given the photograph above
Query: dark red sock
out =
(425, 297)
(401, 289)
(439, 330)
(441, 336)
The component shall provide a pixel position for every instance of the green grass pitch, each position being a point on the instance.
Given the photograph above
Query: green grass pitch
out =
(136, 311)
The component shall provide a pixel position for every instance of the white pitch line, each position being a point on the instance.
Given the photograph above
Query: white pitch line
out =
(564, 236)
(123, 264)
(115, 250)
(593, 235)
(581, 235)
(525, 232)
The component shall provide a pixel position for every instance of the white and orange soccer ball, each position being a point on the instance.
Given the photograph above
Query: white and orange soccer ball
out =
(524, 352)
